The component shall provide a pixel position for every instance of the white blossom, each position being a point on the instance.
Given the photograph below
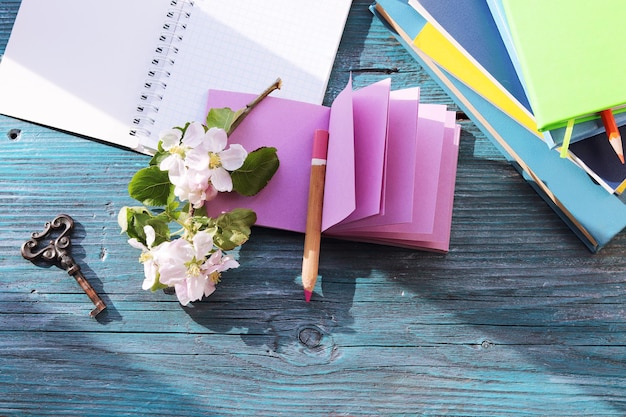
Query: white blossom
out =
(193, 268)
(211, 161)
(148, 257)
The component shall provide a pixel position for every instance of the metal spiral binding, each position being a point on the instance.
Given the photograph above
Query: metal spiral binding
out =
(164, 58)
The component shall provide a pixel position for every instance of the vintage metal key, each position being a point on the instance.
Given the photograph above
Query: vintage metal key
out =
(58, 252)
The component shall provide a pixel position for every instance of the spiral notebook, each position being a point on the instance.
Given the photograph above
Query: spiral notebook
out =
(121, 71)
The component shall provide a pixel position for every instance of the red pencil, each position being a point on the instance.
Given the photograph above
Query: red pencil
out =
(312, 237)
(615, 138)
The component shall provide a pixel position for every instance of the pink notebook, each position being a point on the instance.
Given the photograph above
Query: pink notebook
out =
(390, 172)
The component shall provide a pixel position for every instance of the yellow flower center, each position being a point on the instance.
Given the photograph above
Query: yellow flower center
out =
(145, 256)
(214, 160)
(177, 150)
(215, 277)
(193, 268)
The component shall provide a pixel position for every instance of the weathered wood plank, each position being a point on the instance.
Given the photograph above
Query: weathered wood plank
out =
(70, 363)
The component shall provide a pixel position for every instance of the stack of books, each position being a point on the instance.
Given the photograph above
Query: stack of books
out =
(536, 85)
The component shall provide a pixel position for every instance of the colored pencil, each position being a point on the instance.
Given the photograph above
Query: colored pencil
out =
(615, 138)
(312, 238)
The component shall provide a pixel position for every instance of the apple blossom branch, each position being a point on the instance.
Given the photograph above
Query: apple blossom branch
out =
(250, 106)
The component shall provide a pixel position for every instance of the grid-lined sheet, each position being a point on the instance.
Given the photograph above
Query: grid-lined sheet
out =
(244, 46)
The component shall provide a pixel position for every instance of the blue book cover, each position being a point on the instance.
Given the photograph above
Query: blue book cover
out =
(473, 52)
(600, 161)
(472, 25)
(593, 214)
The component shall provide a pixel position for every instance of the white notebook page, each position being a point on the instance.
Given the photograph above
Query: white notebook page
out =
(74, 65)
(80, 65)
(243, 46)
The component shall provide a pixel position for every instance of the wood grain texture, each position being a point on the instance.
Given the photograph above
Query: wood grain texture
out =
(518, 319)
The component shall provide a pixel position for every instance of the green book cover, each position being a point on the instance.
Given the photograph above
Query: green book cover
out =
(571, 55)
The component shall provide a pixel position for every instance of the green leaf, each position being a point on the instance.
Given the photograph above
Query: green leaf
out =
(132, 220)
(222, 118)
(161, 230)
(151, 186)
(126, 219)
(159, 156)
(137, 219)
(257, 170)
(171, 208)
(233, 228)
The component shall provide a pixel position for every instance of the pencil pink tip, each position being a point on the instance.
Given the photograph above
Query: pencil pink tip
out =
(307, 295)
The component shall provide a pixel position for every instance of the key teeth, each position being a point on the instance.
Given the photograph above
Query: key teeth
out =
(100, 306)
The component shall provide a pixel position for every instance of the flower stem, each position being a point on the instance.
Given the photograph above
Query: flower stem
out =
(250, 106)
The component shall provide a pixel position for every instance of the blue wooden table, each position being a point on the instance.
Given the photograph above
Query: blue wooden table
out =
(518, 319)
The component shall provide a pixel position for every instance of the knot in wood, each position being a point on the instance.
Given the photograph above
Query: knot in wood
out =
(310, 337)
(486, 344)
(14, 134)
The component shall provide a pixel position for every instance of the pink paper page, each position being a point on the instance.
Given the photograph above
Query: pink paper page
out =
(430, 139)
(443, 220)
(401, 155)
(340, 185)
(370, 106)
(288, 126)
(439, 240)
